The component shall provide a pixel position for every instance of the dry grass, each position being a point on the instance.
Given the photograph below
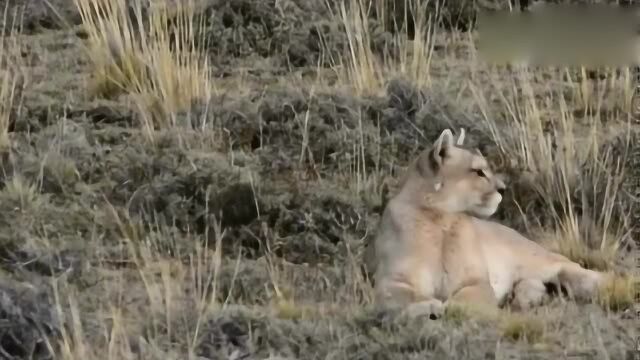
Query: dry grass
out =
(8, 84)
(368, 70)
(458, 313)
(523, 327)
(21, 195)
(154, 56)
(12, 79)
(292, 310)
(156, 295)
(570, 243)
(165, 281)
(620, 292)
(512, 326)
(562, 157)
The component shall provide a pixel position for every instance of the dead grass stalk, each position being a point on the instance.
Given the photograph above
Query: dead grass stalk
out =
(11, 76)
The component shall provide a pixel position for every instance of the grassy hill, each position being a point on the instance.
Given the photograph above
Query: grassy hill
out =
(198, 179)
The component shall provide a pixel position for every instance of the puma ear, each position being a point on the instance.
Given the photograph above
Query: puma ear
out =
(460, 140)
(441, 146)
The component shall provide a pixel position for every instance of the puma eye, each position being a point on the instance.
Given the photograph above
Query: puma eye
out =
(480, 172)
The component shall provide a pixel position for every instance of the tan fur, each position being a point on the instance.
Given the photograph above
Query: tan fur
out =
(434, 244)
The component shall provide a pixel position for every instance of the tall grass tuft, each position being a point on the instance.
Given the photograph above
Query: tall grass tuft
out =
(152, 54)
(563, 157)
(407, 53)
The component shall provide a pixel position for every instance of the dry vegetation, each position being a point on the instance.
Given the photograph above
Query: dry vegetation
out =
(151, 55)
(11, 78)
(197, 179)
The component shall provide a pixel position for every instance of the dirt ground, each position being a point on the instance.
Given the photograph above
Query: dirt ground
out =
(108, 242)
